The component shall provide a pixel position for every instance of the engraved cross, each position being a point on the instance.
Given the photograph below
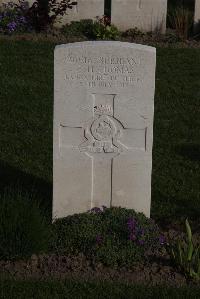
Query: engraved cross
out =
(105, 138)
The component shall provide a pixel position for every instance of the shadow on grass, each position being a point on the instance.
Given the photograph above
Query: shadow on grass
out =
(14, 179)
(168, 211)
(190, 151)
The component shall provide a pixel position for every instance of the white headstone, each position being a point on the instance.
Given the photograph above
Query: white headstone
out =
(103, 126)
(146, 15)
(197, 16)
(85, 9)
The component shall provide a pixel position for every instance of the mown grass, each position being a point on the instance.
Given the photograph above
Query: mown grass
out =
(176, 155)
(80, 290)
(26, 110)
(24, 229)
(26, 97)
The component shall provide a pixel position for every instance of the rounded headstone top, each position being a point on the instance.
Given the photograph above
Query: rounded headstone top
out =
(108, 43)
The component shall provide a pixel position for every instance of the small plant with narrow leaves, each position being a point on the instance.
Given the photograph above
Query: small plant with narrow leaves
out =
(185, 256)
(181, 19)
(112, 236)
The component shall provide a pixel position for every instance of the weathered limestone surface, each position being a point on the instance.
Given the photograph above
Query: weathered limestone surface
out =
(197, 16)
(85, 9)
(146, 15)
(103, 126)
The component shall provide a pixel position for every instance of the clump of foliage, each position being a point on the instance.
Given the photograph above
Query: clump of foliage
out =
(181, 19)
(104, 30)
(23, 228)
(40, 16)
(114, 236)
(94, 30)
(13, 17)
(186, 255)
(172, 37)
(133, 33)
(83, 28)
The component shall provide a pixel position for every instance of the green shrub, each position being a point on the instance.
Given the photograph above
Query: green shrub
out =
(23, 229)
(98, 29)
(133, 33)
(104, 30)
(115, 237)
(172, 37)
(83, 28)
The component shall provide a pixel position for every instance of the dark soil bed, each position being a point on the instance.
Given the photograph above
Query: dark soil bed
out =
(42, 267)
(159, 270)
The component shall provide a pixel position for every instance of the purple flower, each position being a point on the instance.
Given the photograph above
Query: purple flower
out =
(162, 240)
(140, 231)
(99, 239)
(141, 242)
(95, 210)
(131, 223)
(12, 26)
(132, 237)
(22, 19)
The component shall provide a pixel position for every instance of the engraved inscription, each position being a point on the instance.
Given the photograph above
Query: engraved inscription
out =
(102, 71)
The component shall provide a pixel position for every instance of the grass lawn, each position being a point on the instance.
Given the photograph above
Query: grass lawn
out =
(26, 97)
(26, 110)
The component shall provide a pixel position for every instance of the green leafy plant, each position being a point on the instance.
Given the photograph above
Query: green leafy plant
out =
(82, 28)
(172, 37)
(133, 33)
(185, 256)
(114, 236)
(104, 30)
(23, 228)
(98, 29)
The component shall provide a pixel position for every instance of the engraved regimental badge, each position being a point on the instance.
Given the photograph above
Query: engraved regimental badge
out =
(102, 133)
